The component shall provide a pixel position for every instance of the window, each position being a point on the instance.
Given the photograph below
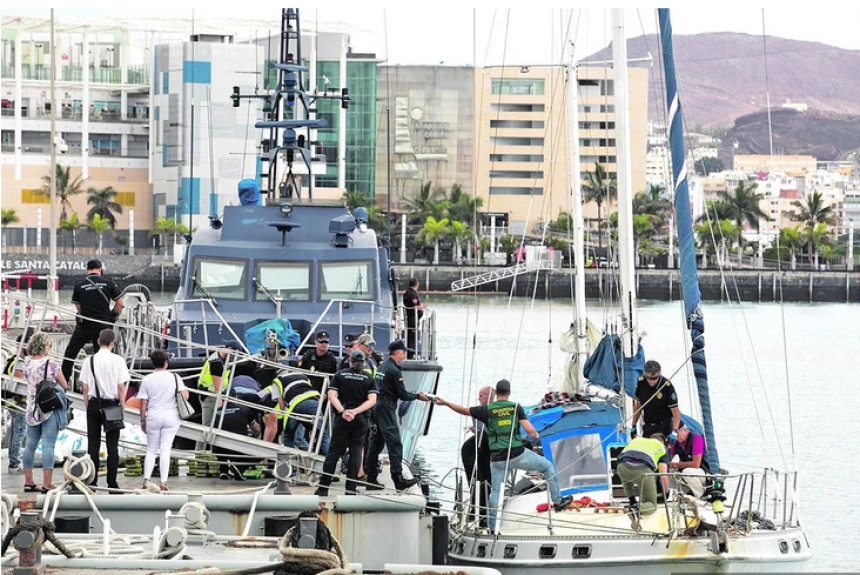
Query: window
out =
(346, 280)
(510, 86)
(222, 279)
(125, 199)
(580, 461)
(291, 281)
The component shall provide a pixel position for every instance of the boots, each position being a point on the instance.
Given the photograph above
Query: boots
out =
(371, 483)
(401, 484)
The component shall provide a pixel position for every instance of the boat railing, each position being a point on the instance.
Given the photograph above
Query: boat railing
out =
(764, 500)
(424, 332)
(186, 346)
(337, 306)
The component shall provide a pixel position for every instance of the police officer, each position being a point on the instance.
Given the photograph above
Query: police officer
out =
(389, 380)
(351, 394)
(319, 359)
(414, 310)
(657, 402)
(292, 393)
(637, 464)
(214, 372)
(92, 297)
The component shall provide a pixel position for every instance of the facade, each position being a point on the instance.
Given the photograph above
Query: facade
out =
(791, 165)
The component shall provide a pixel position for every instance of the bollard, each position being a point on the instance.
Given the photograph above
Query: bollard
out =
(29, 546)
(283, 472)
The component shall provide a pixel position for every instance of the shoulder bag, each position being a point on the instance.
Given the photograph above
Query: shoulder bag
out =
(184, 406)
(111, 410)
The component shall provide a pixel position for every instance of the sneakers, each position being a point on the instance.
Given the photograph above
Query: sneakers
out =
(321, 492)
(633, 514)
(16, 471)
(562, 502)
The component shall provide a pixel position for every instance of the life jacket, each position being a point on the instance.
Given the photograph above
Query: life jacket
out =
(9, 369)
(685, 451)
(502, 425)
(644, 449)
(205, 380)
(284, 415)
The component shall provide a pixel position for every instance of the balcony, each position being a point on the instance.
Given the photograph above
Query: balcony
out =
(135, 75)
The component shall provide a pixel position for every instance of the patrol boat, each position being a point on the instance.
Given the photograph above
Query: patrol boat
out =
(747, 522)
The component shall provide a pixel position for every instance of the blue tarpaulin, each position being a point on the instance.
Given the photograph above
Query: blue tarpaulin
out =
(249, 192)
(607, 365)
(255, 337)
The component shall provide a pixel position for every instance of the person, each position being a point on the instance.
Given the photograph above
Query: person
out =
(389, 381)
(657, 403)
(240, 419)
(319, 360)
(92, 297)
(507, 450)
(16, 404)
(293, 393)
(414, 310)
(348, 342)
(212, 376)
(692, 461)
(352, 393)
(159, 415)
(41, 426)
(637, 464)
(475, 453)
(105, 376)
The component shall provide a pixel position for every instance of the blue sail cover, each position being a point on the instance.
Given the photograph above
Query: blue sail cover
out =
(255, 337)
(686, 244)
(607, 366)
(249, 192)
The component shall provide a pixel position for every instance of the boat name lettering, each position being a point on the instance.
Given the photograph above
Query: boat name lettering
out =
(42, 265)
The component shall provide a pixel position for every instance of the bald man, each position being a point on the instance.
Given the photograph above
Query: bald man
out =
(476, 456)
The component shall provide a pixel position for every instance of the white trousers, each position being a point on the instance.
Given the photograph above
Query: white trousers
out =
(692, 480)
(161, 429)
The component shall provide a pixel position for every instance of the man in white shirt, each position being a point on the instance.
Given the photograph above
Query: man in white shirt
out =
(104, 376)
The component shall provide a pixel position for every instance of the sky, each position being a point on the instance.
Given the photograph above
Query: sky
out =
(455, 35)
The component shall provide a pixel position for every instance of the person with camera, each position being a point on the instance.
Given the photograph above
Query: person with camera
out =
(98, 301)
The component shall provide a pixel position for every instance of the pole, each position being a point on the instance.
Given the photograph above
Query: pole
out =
(850, 254)
(191, 174)
(388, 159)
(53, 296)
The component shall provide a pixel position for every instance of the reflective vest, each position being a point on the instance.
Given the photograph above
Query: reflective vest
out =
(285, 415)
(503, 425)
(205, 380)
(644, 449)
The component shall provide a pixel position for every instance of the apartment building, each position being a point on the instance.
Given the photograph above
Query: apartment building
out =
(787, 164)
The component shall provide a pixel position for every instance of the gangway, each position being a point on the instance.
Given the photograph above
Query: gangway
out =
(496, 275)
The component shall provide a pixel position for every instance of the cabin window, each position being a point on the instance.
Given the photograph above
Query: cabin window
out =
(580, 461)
(222, 279)
(291, 281)
(346, 280)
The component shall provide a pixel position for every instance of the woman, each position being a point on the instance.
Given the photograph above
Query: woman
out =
(41, 426)
(159, 415)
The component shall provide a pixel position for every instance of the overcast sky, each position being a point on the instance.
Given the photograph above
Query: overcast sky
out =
(534, 35)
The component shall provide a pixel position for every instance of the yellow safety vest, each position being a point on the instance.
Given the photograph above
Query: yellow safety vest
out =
(647, 450)
(205, 380)
(284, 415)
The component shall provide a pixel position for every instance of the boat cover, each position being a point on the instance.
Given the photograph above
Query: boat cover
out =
(255, 337)
(607, 366)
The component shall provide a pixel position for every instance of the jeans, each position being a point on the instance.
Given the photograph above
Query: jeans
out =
(47, 432)
(297, 433)
(18, 423)
(528, 460)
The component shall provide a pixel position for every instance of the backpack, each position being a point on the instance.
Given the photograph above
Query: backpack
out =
(46, 393)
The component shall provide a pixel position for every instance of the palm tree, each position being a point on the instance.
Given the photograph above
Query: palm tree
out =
(99, 226)
(743, 207)
(653, 202)
(461, 206)
(815, 238)
(162, 228)
(375, 220)
(714, 211)
(792, 240)
(103, 203)
(644, 226)
(508, 244)
(71, 225)
(459, 232)
(428, 202)
(713, 233)
(813, 212)
(599, 187)
(66, 187)
(433, 232)
(8, 216)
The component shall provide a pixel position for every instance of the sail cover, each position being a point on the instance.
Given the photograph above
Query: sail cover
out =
(607, 366)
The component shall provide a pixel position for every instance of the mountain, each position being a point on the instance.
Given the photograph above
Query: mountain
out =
(721, 76)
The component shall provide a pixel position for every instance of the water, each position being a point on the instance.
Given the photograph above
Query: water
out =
(749, 391)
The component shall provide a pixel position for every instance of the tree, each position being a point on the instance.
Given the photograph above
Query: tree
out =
(433, 232)
(71, 225)
(428, 202)
(644, 226)
(714, 211)
(708, 165)
(599, 187)
(460, 233)
(8, 216)
(792, 240)
(815, 238)
(103, 203)
(562, 224)
(375, 220)
(813, 212)
(711, 234)
(653, 202)
(99, 226)
(162, 228)
(462, 207)
(508, 244)
(66, 187)
(743, 204)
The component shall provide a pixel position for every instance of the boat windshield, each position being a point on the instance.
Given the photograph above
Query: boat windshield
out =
(346, 280)
(291, 281)
(579, 461)
(222, 279)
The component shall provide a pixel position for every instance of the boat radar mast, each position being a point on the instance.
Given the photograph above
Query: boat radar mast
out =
(282, 114)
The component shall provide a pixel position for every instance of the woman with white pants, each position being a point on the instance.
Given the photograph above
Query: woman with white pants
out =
(159, 415)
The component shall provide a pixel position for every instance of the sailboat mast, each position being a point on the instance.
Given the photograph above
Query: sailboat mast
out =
(53, 295)
(626, 257)
(578, 226)
(686, 243)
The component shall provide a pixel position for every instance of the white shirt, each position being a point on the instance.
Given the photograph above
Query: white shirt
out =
(159, 389)
(110, 371)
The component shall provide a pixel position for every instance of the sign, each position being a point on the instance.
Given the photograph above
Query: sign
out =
(42, 265)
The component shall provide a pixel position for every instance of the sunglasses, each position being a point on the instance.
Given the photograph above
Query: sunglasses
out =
(652, 377)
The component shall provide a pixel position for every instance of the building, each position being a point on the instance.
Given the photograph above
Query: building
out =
(791, 165)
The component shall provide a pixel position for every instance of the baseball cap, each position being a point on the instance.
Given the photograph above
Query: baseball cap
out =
(94, 265)
(396, 345)
(323, 336)
(366, 339)
(349, 339)
(503, 386)
(357, 355)
(233, 344)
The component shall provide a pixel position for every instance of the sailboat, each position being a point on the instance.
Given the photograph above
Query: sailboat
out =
(747, 522)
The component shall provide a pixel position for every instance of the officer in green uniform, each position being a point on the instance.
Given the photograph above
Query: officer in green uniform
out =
(637, 464)
(657, 403)
(213, 373)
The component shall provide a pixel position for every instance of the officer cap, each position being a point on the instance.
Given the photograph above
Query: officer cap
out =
(366, 339)
(233, 344)
(323, 336)
(396, 345)
(356, 356)
(94, 265)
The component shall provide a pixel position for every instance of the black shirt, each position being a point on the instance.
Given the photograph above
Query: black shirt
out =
(389, 380)
(353, 388)
(237, 418)
(411, 302)
(660, 408)
(94, 294)
(297, 383)
(327, 363)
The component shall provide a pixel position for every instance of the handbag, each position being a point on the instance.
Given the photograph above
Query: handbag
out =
(112, 414)
(184, 406)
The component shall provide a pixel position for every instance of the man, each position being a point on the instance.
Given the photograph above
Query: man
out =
(319, 360)
(292, 393)
(92, 297)
(507, 450)
(238, 418)
(476, 456)
(351, 393)
(414, 310)
(104, 376)
(389, 380)
(212, 377)
(348, 342)
(657, 402)
(16, 405)
(637, 464)
(692, 460)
